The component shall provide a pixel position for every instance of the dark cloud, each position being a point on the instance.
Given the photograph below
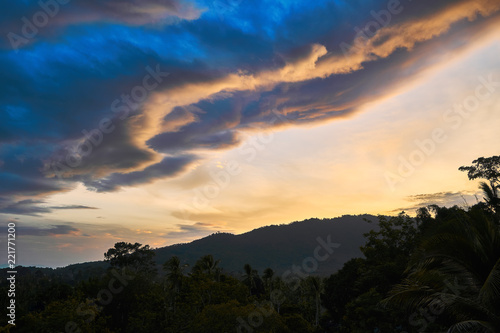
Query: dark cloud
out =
(20, 171)
(53, 230)
(432, 197)
(25, 22)
(109, 152)
(198, 229)
(23, 207)
(73, 207)
(168, 167)
(32, 207)
(440, 199)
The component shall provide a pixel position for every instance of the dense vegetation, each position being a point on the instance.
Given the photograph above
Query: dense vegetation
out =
(437, 272)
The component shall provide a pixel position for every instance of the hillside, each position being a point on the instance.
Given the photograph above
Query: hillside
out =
(278, 246)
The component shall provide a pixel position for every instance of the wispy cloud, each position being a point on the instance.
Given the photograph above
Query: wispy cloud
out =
(72, 207)
(54, 230)
(460, 198)
(33, 207)
(186, 232)
(54, 17)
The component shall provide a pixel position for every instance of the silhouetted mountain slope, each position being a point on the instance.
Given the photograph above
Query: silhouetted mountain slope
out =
(279, 246)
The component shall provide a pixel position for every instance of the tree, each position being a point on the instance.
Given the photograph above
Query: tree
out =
(387, 251)
(174, 277)
(136, 262)
(268, 280)
(235, 317)
(340, 289)
(207, 265)
(490, 196)
(314, 284)
(277, 298)
(456, 273)
(134, 257)
(487, 168)
(252, 280)
(175, 272)
(353, 295)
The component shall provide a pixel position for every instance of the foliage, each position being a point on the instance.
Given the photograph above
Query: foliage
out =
(484, 167)
(456, 272)
(132, 256)
(487, 168)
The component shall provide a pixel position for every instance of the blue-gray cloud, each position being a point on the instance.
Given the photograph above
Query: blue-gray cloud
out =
(26, 22)
(50, 231)
(32, 207)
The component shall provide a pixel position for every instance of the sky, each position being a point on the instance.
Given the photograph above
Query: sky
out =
(163, 121)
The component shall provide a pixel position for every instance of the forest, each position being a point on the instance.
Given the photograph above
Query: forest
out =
(436, 272)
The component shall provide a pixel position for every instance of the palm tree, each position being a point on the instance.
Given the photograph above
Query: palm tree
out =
(174, 278)
(487, 168)
(278, 298)
(249, 276)
(314, 284)
(252, 280)
(491, 198)
(175, 272)
(457, 268)
(268, 279)
(208, 265)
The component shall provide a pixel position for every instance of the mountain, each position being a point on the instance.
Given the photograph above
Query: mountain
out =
(280, 246)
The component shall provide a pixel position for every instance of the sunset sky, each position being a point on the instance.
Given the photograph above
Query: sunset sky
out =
(163, 121)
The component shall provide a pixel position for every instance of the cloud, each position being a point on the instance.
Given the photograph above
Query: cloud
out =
(407, 34)
(20, 171)
(135, 12)
(73, 207)
(54, 230)
(23, 207)
(52, 17)
(435, 197)
(168, 167)
(439, 198)
(198, 229)
(32, 207)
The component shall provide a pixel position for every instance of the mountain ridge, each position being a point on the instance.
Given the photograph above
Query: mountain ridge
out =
(280, 247)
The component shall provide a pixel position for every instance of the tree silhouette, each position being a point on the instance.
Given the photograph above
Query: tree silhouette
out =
(207, 265)
(457, 269)
(268, 280)
(134, 257)
(174, 278)
(252, 280)
(487, 168)
(314, 284)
